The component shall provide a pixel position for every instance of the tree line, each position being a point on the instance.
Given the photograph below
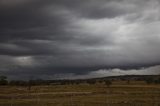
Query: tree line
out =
(108, 82)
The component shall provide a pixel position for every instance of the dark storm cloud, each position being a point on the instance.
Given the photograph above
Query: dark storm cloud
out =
(77, 36)
(29, 21)
(94, 9)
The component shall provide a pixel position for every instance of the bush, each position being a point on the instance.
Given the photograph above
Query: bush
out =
(18, 83)
(157, 81)
(149, 80)
(91, 82)
(3, 80)
(108, 83)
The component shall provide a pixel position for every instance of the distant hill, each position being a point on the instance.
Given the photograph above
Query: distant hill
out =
(147, 78)
(129, 77)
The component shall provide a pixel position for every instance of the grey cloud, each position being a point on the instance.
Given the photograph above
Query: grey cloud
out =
(154, 70)
(74, 36)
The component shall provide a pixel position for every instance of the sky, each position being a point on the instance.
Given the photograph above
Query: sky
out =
(69, 39)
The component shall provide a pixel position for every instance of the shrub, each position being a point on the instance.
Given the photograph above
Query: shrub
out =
(3, 80)
(108, 83)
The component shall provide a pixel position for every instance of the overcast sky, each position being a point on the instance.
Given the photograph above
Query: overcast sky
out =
(79, 38)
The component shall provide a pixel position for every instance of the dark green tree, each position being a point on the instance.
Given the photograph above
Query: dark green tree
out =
(108, 83)
(157, 81)
(3, 80)
(91, 82)
(149, 80)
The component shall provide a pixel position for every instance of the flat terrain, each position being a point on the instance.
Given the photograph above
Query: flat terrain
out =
(118, 94)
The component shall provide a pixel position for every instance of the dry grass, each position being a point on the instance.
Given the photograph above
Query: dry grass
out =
(119, 94)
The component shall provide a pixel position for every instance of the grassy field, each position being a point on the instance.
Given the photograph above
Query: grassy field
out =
(119, 94)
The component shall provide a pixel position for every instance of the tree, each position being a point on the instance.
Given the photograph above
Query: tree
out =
(3, 80)
(128, 81)
(30, 83)
(18, 83)
(157, 81)
(149, 80)
(91, 82)
(108, 83)
(100, 81)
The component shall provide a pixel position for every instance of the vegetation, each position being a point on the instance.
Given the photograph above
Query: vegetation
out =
(108, 83)
(3, 80)
(150, 79)
(109, 91)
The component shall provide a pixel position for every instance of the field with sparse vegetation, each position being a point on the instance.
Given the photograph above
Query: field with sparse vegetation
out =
(119, 93)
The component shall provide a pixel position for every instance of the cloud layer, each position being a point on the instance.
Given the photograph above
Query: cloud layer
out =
(154, 70)
(72, 36)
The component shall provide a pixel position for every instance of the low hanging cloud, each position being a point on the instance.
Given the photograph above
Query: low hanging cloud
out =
(154, 70)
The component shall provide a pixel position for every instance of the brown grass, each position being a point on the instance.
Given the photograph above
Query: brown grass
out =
(137, 93)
